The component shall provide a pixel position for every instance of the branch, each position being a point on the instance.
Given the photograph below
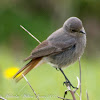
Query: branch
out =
(77, 85)
(71, 91)
(80, 79)
(30, 87)
(30, 34)
(22, 74)
(64, 98)
(87, 95)
(1, 98)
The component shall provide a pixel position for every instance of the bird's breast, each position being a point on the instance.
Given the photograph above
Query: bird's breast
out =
(80, 45)
(69, 56)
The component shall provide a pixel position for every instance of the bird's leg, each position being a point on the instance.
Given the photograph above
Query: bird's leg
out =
(67, 81)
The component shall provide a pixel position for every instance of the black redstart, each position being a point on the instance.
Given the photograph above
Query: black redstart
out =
(62, 48)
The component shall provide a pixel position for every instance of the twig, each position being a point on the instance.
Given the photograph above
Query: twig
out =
(64, 98)
(87, 95)
(30, 34)
(1, 98)
(73, 91)
(80, 79)
(22, 74)
(30, 86)
(77, 85)
(22, 88)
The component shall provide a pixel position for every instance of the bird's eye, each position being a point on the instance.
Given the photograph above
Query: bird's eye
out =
(73, 30)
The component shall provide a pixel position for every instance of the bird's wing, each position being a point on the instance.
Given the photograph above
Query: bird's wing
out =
(47, 48)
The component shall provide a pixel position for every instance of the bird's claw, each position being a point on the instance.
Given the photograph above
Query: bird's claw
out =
(67, 83)
(57, 69)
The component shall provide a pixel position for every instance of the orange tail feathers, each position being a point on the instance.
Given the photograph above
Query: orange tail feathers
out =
(28, 67)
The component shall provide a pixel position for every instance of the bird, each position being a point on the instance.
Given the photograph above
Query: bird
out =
(61, 49)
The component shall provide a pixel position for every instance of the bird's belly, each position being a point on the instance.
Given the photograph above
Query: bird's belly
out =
(64, 58)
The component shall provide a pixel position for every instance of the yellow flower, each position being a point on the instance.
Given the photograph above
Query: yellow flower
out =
(10, 72)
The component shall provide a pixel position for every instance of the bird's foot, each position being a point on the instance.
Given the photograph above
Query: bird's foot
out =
(57, 69)
(68, 83)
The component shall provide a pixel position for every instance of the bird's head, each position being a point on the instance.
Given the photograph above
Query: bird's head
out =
(74, 25)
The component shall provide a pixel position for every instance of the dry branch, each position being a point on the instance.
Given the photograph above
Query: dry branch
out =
(22, 74)
(30, 34)
(31, 87)
(80, 79)
(87, 95)
(1, 98)
(71, 91)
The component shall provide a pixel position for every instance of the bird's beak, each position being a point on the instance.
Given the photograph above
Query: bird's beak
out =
(82, 31)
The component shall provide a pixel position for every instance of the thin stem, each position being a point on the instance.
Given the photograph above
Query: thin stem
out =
(80, 79)
(22, 88)
(22, 74)
(1, 98)
(30, 86)
(87, 95)
(30, 34)
(73, 94)
(73, 91)
(63, 98)
(77, 85)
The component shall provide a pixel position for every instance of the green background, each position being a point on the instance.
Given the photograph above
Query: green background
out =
(41, 18)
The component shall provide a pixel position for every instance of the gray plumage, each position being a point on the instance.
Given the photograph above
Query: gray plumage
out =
(61, 48)
(70, 39)
(64, 46)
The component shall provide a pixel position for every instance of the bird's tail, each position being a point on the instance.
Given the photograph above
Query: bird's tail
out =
(28, 67)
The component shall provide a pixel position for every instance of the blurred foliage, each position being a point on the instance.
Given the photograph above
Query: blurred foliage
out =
(47, 81)
(41, 18)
